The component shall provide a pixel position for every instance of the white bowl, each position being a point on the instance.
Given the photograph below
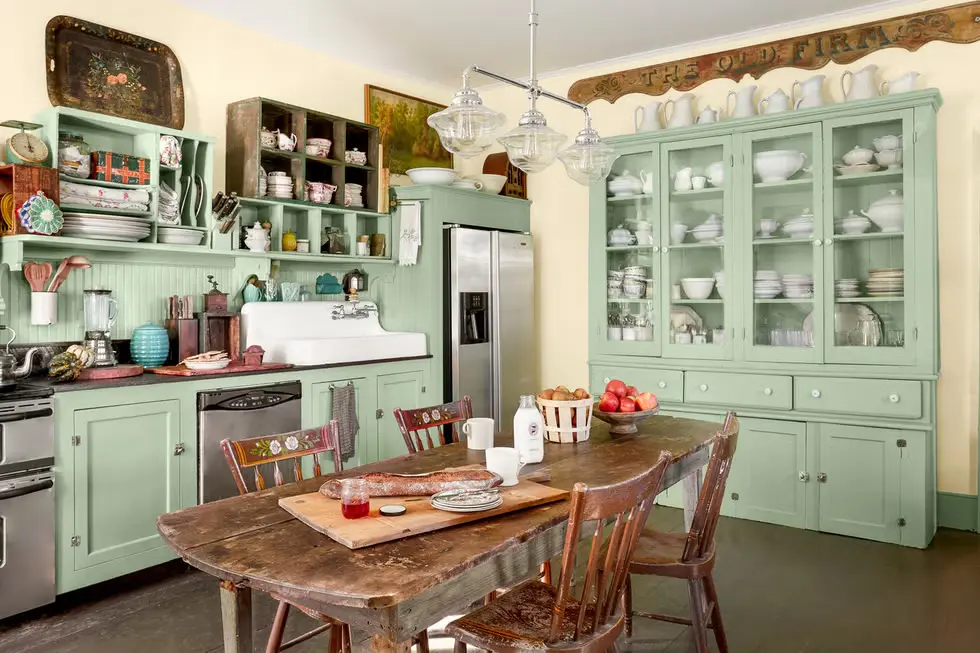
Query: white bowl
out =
(492, 184)
(857, 156)
(889, 158)
(698, 287)
(207, 365)
(777, 165)
(434, 176)
(705, 233)
(716, 173)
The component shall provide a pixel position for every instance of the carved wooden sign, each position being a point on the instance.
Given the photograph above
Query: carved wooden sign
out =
(955, 24)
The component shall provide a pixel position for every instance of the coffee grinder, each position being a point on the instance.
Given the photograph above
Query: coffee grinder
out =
(100, 315)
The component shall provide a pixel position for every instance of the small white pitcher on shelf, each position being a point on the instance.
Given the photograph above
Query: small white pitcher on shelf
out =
(683, 113)
(863, 86)
(901, 84)
(811, 92)
(646, 118)
(744, 102)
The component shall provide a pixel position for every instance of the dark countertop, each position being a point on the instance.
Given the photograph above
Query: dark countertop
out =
(148, 378)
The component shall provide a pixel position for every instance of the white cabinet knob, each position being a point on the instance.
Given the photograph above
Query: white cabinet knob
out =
(656, 249)
(704, 388)
(828, 241)
(662, 384)
(767, 391)
(817, 242)
(664, 249)
(893, 398)
(606, 380)
(815, 394)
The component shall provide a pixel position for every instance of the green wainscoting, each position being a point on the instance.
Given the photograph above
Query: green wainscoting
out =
(957, 511)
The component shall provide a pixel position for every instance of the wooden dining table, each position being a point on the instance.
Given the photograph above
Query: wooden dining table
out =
(396, 589)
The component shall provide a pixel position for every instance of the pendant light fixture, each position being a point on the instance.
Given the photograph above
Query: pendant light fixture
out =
(466, 128)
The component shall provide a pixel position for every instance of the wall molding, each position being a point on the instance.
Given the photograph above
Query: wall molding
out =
(957, 511)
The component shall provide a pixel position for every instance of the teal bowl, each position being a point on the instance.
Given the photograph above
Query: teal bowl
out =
(149, 345)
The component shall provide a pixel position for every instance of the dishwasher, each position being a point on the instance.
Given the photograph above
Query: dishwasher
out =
(236, 414)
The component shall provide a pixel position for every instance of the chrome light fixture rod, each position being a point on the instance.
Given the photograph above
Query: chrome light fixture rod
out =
(529, 88)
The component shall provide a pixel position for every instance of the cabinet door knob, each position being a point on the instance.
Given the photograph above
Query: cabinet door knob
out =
(704, 387)
(606, 380)
(804, 477)
(656, 249)
(828, 241)
(379, 414)
(822, 477)
(179, 449)
(817, 242)
(815, 394)
(662, 384)
(664, 249)
(893, 398)
(767, 391)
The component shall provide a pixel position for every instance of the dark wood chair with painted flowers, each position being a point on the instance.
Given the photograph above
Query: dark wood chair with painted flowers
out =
(426, 428)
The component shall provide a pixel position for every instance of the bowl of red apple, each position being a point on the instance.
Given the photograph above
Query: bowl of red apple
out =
(624, 406)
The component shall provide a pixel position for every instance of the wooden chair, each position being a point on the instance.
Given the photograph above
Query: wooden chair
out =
(252, 452)
(541, 617)
(691, 555)
(446, 420)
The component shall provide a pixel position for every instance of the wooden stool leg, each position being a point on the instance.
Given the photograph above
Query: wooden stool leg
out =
(628, 607)
(278, 628)
(423, 642)
(698, 618)
(336, 639)
(719, 627)
(345, 638)
(546, 572)
(459, 647)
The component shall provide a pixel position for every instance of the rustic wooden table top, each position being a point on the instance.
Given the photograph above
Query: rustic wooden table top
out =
(251, 541)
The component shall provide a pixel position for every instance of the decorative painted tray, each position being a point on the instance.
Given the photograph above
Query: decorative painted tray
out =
(96, 68)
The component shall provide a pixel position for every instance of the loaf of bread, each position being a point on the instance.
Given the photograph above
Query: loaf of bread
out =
(381, 484)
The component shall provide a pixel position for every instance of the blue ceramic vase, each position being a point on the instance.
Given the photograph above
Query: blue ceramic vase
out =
(150, 345)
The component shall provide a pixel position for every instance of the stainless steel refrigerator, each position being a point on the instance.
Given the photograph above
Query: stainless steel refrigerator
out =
(489, 320)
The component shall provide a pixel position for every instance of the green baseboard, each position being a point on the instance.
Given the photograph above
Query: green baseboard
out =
(957, 511)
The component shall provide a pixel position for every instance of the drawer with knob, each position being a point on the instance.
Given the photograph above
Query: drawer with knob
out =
(668, 385)
(733, 390)
(877, 397)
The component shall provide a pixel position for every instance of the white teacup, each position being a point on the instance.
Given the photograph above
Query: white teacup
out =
(505, 461)
(479, 433)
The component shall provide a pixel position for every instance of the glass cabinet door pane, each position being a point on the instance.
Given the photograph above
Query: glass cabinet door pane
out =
(632, 258)
(695, 203)
(869, 261)
(783, 227)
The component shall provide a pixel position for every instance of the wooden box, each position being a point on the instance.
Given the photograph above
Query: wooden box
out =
(23, 181)
(219, 331)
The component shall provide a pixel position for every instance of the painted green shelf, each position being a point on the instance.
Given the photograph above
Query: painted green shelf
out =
(782, 240)
(701, 245)
(881, 176)
(789, 184)
(877, 235)
(697, 301)
(699, 194)
(74, 208)
(867, 300)
(784, 300)
(624, 300)
(105, 184)
(629, 198)
(627, 248)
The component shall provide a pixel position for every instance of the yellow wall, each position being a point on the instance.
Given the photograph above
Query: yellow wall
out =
(559, 217)
(220, 63)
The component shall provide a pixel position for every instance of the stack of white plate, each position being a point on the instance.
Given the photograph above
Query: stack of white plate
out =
(172, 236)
(886, 282)
(846, 288)
(801, 227)
(280, 185)
(467, 500)
(169, 202)
(798, 286)
(352, 195)
(768, 284)
(96, 226)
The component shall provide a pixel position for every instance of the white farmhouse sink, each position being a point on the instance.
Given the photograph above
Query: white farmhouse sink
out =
(305, 333)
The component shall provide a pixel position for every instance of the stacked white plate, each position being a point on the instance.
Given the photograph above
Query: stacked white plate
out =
(847, 288)
(768, 284)
(467, 500)
(279, 185)
(172, 236)
(886, 282)
(798, 286)
(169, 202)
(352, 195)
(96, 226)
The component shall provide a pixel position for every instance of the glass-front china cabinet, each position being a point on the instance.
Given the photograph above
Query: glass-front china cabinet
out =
(785, 266)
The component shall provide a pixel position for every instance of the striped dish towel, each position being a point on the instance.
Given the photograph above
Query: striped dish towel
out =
(345, 412)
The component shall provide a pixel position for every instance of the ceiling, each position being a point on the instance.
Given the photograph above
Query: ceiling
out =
(435, 39)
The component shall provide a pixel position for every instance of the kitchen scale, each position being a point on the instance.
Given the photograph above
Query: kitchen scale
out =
(24, 147)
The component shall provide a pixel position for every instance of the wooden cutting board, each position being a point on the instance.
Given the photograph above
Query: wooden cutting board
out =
(323, 514)
(234, 368)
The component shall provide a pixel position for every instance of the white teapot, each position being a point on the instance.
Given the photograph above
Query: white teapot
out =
(708, 115)
(256, 238)
(775, 103)
(620, 237)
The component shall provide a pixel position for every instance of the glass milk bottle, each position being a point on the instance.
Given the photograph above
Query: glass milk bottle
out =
(529, 431)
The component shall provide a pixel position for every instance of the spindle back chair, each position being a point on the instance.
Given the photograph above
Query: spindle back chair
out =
(444, 422)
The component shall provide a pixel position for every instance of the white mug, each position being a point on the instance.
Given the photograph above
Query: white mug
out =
(507, 462)
(479, 433)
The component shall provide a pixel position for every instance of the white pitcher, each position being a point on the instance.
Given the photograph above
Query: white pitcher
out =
(744, 102)
(708, 115)
(647, 179)
(863, 86)
(682, 180)
(646, 118)
(811, 92)
(775, 103)
(901, 84)
(683, 113)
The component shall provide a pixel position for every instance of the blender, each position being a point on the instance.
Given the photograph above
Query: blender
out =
(100, 315)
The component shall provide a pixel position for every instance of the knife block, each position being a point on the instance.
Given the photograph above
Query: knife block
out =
(184, 339)
(220, 330)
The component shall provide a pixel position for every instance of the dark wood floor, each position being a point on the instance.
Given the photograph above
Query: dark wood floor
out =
(781, 590)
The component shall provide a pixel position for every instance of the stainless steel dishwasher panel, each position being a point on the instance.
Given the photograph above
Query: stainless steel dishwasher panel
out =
(236, 414)
(26, 542)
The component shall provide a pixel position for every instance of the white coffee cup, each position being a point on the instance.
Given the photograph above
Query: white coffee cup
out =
(479, 433)
(505, 461)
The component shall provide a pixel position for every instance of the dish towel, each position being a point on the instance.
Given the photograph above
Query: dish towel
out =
(410, 238)
(345, 412)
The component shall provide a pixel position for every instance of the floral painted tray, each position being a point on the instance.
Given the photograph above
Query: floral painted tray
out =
(96, 68)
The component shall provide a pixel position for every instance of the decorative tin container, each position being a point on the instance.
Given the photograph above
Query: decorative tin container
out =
(120, 168)
(150, 345)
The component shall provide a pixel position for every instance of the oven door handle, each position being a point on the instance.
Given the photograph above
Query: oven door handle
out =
(30, 414)
(27, 489)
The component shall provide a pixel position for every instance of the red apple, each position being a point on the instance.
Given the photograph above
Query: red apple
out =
(627, 405)
(646, 401)
(616, 387)
(608, 402)
(631, 391)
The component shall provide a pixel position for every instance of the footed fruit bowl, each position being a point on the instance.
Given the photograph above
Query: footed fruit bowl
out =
(624, 423)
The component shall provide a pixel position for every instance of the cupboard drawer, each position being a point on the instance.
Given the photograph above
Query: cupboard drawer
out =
(668, 385)
(879, 397)
(755, 390)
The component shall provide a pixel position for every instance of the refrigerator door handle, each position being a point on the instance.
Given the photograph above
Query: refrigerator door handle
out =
(495, 328)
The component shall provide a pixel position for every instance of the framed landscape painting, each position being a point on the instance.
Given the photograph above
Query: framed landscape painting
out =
(407, 141)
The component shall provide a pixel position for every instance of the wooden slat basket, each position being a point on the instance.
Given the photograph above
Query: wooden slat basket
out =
(566, 421)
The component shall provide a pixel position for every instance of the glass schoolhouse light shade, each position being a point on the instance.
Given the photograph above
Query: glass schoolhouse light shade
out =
(532, 146)
(588, 160)
(466, 127)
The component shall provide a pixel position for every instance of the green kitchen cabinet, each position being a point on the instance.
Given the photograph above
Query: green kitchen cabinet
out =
(859, 479)
(400, 390)
(366, 442)
(127, 464)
